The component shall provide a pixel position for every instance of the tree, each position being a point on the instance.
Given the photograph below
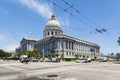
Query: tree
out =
(35, 53)
(1, 53)
(76, 56)
(4, 54)
(46, 55)
(19, 54)
(49, 55)
(56, 55)
(7, 54)
(83, 56)
(30, 53)
(53, 55)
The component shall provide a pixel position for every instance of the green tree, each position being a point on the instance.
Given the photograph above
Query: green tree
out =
(7, 54)
(53, 54)
(30, 53)
(35, 53)
(56, 55)
(76, 56)
(2, 53)
(83, 56)
(19, 54)
(49, 55)
(46, 55)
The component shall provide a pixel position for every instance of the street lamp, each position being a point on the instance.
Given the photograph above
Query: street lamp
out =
(43, 53)
(92, 52)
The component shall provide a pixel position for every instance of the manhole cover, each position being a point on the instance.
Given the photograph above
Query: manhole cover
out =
(52, 75)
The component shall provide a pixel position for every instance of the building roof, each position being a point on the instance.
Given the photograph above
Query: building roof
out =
(67, 37)
(28, 39)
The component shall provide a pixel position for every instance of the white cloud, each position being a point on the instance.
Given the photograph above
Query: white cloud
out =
(7, 42)
(43, 9)
(10, 47)
(2, 37)
(64, 21)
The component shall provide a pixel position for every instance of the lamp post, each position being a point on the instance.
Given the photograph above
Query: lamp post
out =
(92, 53)
(43, 53)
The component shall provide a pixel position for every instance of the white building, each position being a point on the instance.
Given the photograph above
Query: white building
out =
(54, 41)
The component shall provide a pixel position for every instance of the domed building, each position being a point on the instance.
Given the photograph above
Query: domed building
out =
(52, 27)
(55, 42)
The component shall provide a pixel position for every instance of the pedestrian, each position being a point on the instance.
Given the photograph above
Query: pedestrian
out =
(26, 61)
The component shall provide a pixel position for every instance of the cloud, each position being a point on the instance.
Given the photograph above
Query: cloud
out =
(64, 21)
(43, 9)
(2, 37)
(7, 42)
(10, 47)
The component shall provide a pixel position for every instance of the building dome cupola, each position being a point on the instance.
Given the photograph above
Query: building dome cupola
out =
(52, 27)
(53, 17)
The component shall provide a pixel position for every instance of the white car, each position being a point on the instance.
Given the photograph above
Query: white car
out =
(34, 60)
(102, 59)
(77, 61)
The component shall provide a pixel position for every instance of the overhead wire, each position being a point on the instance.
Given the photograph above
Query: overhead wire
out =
(71, 14)
(98, 29)
(80, 13)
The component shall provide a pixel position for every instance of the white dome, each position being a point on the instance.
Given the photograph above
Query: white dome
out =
(53, 23)
(52, 27)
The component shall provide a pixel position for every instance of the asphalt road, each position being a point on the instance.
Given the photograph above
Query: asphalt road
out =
(60, 71)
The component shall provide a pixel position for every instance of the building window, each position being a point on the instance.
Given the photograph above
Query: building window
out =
(67, 53)
(69, 44)
(73, 53)
(70, 53)
(52, 33)
(55, 32)
(48, 33)
(72, 45)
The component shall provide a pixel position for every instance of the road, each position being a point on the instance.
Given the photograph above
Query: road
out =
(60, 71)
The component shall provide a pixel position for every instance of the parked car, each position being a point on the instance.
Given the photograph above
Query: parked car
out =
(83, 60)
(47, 60)
(77, 61)
(102, 59)
(34, 60)
(55, 60)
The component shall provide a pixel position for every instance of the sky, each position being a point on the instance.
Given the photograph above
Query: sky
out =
(28, 18)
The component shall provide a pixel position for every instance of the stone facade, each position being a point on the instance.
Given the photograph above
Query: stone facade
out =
(54, 41)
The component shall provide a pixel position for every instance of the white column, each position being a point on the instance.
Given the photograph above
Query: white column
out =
(60, 44)
(68, 44)
(64, 45)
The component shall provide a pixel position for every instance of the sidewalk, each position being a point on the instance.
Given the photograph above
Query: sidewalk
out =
(8, 61)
